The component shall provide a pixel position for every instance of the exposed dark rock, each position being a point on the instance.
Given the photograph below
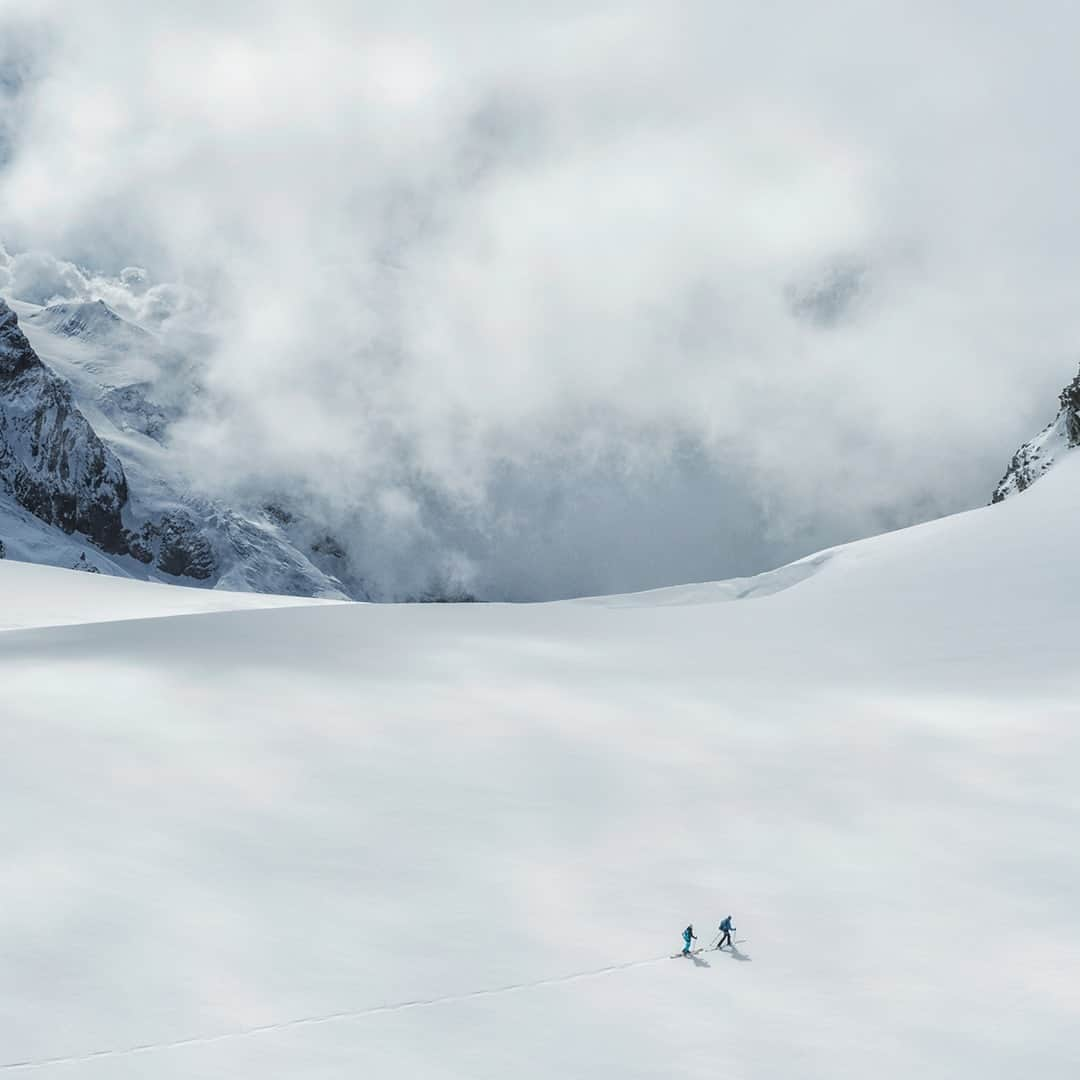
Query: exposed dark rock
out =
(176, 544)
(1070, 410)
(1026, 466)
(141, 544)
(183, 551)
(278, 514)
(51, 459)
(16, 356)
(1034, 458)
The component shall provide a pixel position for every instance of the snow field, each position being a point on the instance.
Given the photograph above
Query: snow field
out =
(253, 817)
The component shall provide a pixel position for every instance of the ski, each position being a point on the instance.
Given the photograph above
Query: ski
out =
(692, 952)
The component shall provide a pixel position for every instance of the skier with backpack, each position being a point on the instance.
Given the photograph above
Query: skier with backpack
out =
(726, 930)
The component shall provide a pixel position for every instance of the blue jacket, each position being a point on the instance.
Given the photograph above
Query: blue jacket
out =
(686, 935)
(726, 924)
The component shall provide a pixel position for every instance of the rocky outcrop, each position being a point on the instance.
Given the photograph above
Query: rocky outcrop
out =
(175, 545)
(184, 551)
(51, 459)
(1034, 458)
(1070, 411)
(131, 408)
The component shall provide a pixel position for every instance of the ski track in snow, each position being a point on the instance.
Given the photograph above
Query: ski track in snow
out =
(327, 1018)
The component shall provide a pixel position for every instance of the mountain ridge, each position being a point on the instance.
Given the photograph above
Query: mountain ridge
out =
(128, 502)
(1038, 455)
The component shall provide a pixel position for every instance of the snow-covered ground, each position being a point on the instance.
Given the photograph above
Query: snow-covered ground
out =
(36, 596)
(368, 817)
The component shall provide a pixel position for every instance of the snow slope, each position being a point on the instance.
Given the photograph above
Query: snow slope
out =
(36, 596)
(460, 841)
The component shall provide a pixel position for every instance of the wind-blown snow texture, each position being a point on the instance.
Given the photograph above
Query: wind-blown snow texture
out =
(239, 820)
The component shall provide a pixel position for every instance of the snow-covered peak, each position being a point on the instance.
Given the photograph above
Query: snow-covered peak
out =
(89, 320)
(1036, 456)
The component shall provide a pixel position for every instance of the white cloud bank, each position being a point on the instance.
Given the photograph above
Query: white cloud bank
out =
(572, 297)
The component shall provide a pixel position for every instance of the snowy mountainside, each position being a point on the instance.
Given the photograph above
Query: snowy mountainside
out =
(460, 842)
(129, 390)
(51, 460)
(113, 365)
(26, 538)
(1038, 455)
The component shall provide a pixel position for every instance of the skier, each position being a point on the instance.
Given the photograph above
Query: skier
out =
(688, 935)
(726, 929)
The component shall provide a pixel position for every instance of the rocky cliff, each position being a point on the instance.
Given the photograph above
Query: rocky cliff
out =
(51, 459)
(1038, 455)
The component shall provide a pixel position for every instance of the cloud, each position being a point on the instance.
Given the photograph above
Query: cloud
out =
(583, 296)
(40, 278)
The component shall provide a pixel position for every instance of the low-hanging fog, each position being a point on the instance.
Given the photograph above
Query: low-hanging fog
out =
(534, 300)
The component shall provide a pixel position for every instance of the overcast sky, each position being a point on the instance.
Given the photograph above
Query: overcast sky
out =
(570, 297)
